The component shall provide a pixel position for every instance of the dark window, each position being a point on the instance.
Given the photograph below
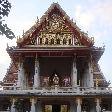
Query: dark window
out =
(69, 41)
(40, 40)
(52, 41)
(64, 41)
(46, 41)
(58, 41)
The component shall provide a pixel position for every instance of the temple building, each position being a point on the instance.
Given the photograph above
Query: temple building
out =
(54, 68)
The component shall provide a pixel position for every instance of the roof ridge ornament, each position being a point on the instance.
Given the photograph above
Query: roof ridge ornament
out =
(23, 33)
(37, 20)
(7, 46)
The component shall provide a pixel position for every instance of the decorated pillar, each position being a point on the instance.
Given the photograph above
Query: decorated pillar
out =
(79, 102)
(74, 73)
(73, 40)
(33, 103)
(13, 105)
(20, 75)
(91, 82)
(98, 108)
(36, 76)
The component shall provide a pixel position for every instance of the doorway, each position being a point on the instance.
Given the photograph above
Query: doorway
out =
(56, 108)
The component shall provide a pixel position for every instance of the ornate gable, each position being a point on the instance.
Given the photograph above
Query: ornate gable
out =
(56, 32)
(55, 28)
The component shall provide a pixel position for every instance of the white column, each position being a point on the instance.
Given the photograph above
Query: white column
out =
(33, 109)
(79, 102)
(13, 105)
(20, 75)
(91, 82)
(36, 76)
(73, 40)
(98, 108)
(74, 73)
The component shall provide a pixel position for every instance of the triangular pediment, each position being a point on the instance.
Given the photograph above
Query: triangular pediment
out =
(55, 28)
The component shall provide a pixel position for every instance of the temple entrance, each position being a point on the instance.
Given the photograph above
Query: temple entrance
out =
(55, 71)
(56, 108)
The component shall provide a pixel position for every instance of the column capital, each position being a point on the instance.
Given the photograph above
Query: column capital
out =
(79, 100)
(13, 99)
(33, 99)
(74, 56)
(36, 56)
(37, 62)
(98, 99)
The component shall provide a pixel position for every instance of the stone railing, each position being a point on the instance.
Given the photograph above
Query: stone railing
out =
(56, 90)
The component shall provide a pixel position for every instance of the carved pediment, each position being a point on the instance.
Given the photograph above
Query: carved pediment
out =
(55, 28)
(55, 32)
(56, 23)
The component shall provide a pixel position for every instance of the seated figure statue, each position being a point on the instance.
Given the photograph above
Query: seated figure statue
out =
(46, 81)
(66, 81)
(56, 80)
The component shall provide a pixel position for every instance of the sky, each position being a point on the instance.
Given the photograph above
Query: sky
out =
(92, 16)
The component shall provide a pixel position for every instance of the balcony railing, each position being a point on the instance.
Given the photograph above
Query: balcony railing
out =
(56, 90)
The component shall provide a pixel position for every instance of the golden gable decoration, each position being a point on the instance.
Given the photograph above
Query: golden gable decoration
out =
(54, 29)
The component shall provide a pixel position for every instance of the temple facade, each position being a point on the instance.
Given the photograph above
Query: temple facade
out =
(54, 68)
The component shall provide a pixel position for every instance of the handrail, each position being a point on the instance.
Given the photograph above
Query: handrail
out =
(56, 90)
(59, 88)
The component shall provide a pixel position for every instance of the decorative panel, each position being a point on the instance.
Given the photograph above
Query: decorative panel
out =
(64, 108)
(56, 32)
(48, 108)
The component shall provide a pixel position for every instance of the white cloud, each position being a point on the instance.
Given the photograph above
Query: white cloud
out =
(101, 12)
(96, 18)
(84, 18)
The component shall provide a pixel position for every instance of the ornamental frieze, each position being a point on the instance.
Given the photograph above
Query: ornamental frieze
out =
(55, 39)
(55, 32)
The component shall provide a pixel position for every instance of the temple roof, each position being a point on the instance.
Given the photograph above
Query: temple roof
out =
(64, 29)
(27, 45)
(37, 27)
(11, 75)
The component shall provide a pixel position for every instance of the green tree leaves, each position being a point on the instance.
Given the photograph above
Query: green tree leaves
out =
(5, 7)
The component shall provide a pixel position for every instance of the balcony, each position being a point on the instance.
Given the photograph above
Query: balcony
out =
(56, 91)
